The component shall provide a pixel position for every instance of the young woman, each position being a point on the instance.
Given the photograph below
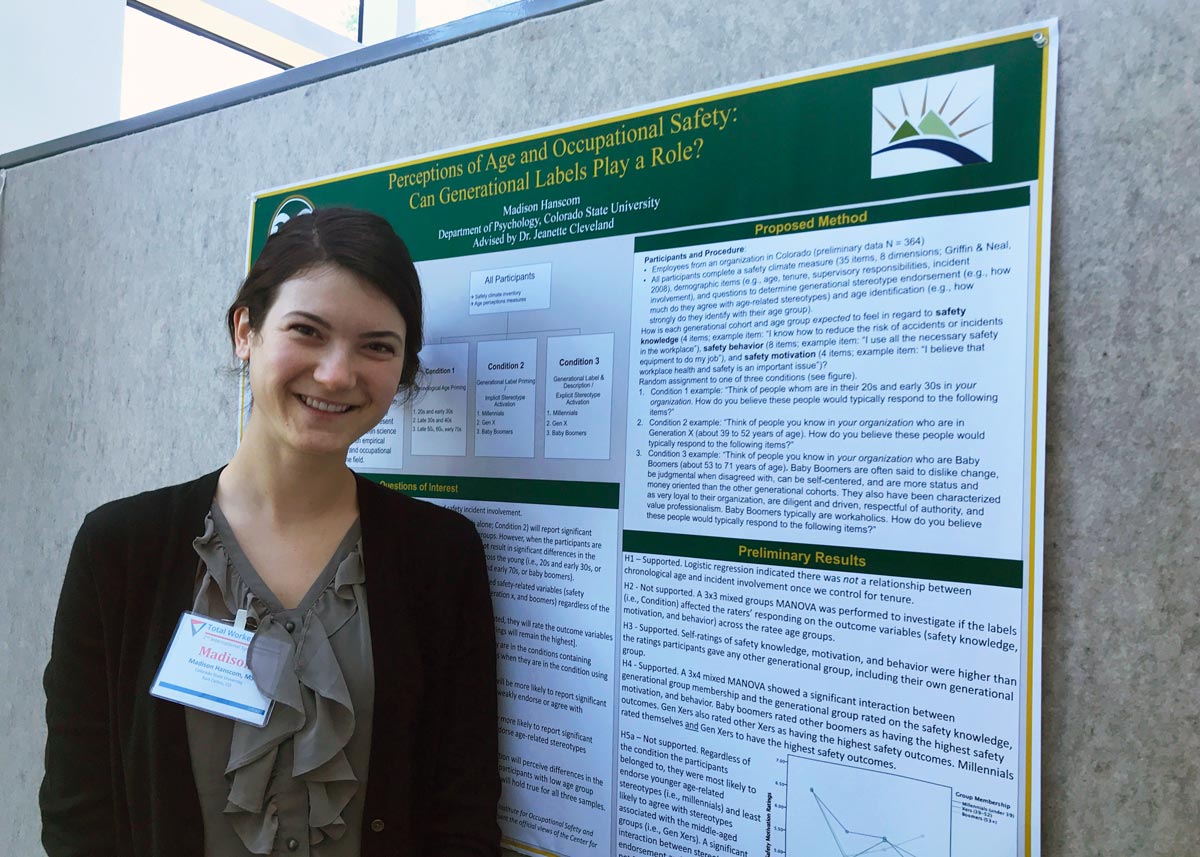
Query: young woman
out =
(372, 622)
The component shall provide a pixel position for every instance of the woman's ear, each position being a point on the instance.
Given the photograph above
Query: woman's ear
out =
(242, 333)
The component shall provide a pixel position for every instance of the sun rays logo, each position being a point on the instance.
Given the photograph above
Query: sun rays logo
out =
(291, 207)
(932, 124)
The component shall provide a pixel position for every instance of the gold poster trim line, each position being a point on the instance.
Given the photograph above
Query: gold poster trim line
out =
(1033, 451)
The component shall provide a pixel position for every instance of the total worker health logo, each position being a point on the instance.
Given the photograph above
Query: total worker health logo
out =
(291, 207)
(932, 123)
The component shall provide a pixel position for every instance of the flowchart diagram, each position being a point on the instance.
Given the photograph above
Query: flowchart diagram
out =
(479, 392)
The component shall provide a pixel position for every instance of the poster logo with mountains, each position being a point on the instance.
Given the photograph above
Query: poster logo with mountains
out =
(932, 123)
(291, 207)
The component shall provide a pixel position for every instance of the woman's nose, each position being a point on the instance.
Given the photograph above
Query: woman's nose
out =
(335, 369)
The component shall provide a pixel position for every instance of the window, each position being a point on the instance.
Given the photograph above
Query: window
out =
(164, 64)
(177, 50)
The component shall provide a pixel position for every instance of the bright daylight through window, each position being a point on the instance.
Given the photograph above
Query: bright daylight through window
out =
(178, 50)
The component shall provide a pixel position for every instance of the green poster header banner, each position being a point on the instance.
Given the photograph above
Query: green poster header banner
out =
(541, 492)
(892, 563)
(1017, 197)
(797, 144)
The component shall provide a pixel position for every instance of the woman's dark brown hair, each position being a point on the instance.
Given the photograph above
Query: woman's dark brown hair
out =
(358, 241)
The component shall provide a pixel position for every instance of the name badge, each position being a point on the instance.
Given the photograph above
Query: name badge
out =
(206, 668)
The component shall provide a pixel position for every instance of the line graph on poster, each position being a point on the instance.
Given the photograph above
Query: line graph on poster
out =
(836, 810)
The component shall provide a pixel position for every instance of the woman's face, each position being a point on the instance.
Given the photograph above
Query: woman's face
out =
(325, 362)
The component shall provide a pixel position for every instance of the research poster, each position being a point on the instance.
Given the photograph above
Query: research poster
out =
(745, 393)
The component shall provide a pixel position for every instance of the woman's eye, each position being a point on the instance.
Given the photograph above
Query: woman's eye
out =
(381, 348)
(304, 329)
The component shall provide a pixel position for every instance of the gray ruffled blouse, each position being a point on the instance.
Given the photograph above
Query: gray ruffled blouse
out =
(296, 785)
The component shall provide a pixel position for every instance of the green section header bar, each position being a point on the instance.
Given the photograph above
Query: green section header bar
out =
(541, 492)
(1017, 197)
(795, 145)
(918, 566)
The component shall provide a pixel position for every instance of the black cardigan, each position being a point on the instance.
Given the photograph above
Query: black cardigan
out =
(118, 777)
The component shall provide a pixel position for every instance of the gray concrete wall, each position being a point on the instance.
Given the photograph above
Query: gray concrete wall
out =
(117, 261)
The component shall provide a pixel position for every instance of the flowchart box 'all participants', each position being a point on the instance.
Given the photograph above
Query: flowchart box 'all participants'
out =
(505, 384)
(510, 289)
(439, 416)
(579, 395)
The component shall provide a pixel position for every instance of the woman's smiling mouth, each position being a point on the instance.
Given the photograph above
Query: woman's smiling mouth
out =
(323, 406)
